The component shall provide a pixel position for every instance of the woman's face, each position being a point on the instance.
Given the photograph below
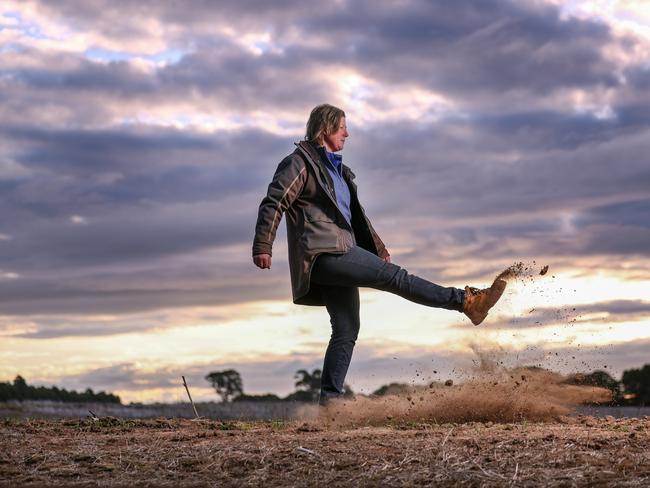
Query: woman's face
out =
(336, 140)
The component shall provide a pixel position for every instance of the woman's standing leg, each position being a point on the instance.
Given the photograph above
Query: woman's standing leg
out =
(342, 304)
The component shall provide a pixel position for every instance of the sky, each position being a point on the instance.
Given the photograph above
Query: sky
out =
(137, 140)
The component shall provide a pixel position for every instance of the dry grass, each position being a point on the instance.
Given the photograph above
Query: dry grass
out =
(571, 451)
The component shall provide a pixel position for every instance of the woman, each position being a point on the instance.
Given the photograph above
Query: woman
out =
(333, 248)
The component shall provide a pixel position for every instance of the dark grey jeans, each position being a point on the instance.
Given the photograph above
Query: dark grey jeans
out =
(340, 276)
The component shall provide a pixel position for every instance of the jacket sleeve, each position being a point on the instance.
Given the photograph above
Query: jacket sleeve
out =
(287, 184)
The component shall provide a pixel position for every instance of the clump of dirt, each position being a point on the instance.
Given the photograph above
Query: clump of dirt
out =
(506, 395)
(522, 271)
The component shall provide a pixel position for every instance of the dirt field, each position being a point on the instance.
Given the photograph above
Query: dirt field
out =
(570, 451)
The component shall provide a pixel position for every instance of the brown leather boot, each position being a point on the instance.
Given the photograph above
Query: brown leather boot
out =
(479, 302)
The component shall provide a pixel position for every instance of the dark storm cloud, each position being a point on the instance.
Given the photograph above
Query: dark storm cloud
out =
(51, 297)
(248, 82)
(447, 52)
(88, 151)
(639, 78)
(219, 71)
(472, 50)
(544, 130)
(619, 229)
(118, 78)
(129, 251)
(141, 194)
(463, 177)
(616, 240)
(632, 213)
(142, 266)
(139, 163)
(127, 17)
(474, 47)
(144, 198)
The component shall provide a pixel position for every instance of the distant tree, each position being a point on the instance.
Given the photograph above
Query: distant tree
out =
(308, 387)
(600, 379)
(636, 383)
(392, 389)
(267, 397)
(6, 391)
(227, 384)
(20, 390)
(301, 396)
(309, 382)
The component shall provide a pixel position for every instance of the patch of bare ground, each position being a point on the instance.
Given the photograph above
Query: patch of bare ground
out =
(569, 451)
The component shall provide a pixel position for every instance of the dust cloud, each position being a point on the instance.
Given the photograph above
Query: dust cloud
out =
(500, 395)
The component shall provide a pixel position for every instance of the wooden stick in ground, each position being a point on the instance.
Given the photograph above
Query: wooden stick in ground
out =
(188, 394)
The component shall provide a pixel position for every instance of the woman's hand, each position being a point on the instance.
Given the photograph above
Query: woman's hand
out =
(262, 261)
(387, 259)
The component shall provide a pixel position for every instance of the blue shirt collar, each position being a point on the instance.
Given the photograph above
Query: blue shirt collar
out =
(336, 160)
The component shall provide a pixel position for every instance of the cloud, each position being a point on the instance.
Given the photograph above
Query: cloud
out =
(130, 292)
(478, 56)
(614, 311)
(125, 376)
(630, 213)
(480, 132)
(473, 49)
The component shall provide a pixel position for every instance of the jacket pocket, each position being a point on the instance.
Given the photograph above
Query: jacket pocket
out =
(320, 230)
(315, 214)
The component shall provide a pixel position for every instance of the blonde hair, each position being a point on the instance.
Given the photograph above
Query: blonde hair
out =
(323, 120)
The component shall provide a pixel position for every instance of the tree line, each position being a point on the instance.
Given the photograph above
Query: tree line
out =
(632, 389)
(20, 390)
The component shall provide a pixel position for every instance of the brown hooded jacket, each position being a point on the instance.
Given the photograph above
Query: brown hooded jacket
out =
(302, 188)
